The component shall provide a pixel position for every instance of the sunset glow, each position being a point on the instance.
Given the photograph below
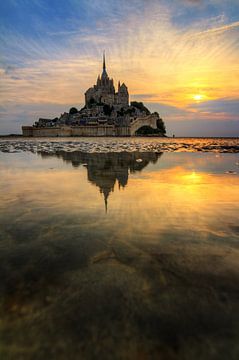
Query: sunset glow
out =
(183, 64)
(198, 97)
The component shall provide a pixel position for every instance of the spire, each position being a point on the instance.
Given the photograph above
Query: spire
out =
(104, 67)
(104, 73)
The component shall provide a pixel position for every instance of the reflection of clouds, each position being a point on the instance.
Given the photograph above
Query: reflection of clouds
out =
(163, 255)
(187, 203)
(165, 200)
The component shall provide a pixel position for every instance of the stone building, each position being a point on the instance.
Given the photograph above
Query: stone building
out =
(104, 91)
(106, 113)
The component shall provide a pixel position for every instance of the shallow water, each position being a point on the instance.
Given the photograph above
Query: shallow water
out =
(127, 255)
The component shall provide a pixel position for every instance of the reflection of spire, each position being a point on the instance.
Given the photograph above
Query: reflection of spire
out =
(106, 192)
(106, 201)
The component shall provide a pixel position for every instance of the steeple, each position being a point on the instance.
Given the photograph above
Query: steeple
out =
(104, 73)
(104, 67)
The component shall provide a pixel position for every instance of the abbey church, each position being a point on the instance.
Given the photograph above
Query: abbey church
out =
(105, 113)
(104, 91)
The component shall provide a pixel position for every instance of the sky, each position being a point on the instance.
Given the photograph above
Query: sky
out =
(180, 57)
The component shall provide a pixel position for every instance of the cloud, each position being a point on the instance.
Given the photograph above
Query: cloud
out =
(218, 30)
(211, 118)
(161, 60)
(203, 127)
(13, 116)
(225, 106)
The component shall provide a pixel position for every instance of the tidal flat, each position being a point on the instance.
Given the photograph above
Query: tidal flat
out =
(119, 249)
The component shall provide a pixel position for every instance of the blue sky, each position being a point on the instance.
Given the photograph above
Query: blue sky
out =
(180, 57)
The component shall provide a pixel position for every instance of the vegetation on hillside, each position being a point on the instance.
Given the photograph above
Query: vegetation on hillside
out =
(73, 111)
(140, 106)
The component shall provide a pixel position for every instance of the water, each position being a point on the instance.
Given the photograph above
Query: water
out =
(123, 255)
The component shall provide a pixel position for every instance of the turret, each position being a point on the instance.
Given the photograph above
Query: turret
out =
(123, 95)
(123, 88)
(98, 81)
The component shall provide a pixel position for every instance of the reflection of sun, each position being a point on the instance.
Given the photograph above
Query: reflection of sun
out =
(193, 177)
(198, 97)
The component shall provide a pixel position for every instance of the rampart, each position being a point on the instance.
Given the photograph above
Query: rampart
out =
(93, 130)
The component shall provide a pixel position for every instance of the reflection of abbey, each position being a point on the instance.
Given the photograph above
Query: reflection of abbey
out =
(106, 169)
(105, 113)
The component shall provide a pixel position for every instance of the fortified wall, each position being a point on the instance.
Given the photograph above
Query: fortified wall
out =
(98, 130)
(95, 131)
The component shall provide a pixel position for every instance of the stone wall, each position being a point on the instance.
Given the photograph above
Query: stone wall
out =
(27, 131)
(150, 120)
(102, 130)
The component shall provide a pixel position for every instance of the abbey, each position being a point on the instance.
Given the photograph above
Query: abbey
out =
(105, 113)
(104, 91)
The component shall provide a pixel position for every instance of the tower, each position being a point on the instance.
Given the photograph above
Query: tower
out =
(104, 91)
(123, 95)
(104, 75)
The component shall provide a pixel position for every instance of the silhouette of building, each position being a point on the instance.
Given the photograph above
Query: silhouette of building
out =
(104, 91)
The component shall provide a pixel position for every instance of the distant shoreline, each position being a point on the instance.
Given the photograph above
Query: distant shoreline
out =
(10, 136)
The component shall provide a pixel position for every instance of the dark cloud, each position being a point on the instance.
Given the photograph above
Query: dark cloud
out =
(204, 128)
(12, 117)
(143, 96)
(229, 106)
(166, 110)
(211, 118)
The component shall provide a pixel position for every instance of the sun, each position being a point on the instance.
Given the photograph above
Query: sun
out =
(198, 97)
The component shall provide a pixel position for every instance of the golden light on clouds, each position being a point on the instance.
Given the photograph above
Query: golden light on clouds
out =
(166, 56)
(152, 58)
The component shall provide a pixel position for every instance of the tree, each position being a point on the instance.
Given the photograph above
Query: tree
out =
(91, 103)
(107, 109)
(130, 111)
(161, 126)
(140, 106)
(148, 130)
(73, 111)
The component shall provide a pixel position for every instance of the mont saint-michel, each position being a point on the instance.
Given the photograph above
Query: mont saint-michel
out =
(106, 112)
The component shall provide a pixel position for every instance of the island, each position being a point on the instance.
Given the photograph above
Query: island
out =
(105, 113)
